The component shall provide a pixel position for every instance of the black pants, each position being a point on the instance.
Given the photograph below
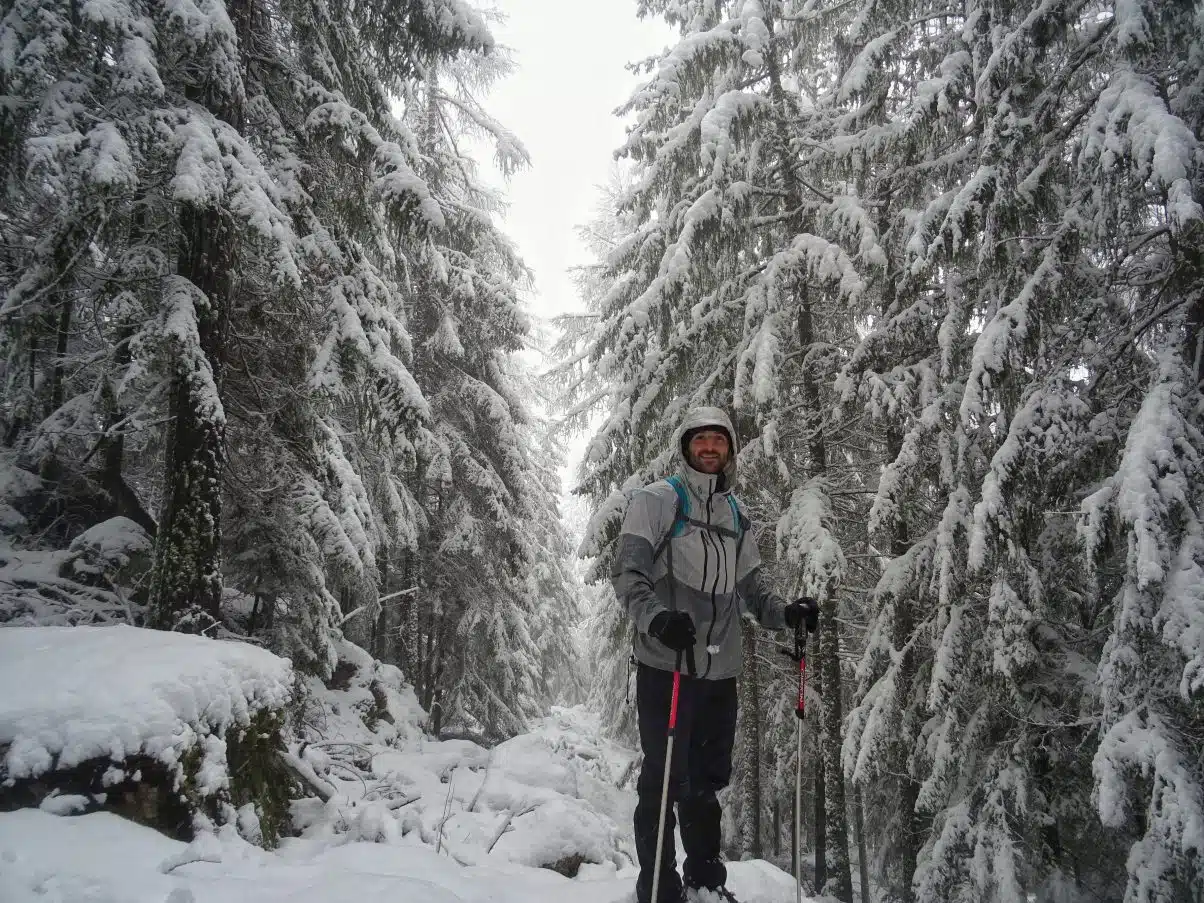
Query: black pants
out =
(701, 767)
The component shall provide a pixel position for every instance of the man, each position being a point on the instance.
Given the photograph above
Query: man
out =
(682, 574)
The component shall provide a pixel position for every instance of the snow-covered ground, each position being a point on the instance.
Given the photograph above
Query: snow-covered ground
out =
(399, 816)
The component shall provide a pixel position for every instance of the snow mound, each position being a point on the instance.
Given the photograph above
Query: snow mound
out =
(89, 692)
(366, 702)
(110, 545)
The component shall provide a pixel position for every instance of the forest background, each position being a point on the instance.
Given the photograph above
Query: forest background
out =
(942, 261)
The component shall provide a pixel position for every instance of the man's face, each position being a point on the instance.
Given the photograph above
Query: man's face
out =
(709, 451)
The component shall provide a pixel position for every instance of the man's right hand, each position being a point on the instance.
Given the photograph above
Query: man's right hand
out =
(673, 628)
(802, 611)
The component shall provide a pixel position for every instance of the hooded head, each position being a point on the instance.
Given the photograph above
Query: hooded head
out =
(697, 420)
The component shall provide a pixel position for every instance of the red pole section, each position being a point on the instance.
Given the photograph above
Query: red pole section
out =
(673, 704)
(801, 709)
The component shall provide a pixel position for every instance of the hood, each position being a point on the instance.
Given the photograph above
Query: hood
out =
(706, 416)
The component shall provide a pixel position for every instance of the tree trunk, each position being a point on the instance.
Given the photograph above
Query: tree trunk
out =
(60, 352)
(833, 874)
(838, 876)
(112, 461)
(186, 587)
(821, 829)
(750, 710)
(859, 832)
(1193, 351)
(380, 626)
(910, 838)
(436, 685)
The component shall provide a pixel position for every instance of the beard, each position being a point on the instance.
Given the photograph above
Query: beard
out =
(710, 466)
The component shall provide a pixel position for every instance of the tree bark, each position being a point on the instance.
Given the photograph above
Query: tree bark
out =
(380, 626)
(821, 829)
(909, 838)
(1193, 257)
(838, 876)
(833, 873)
(60, 352)
(862, 859)
(187, 585)
(186, 588)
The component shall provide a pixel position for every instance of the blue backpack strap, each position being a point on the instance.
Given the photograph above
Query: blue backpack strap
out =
(742, 523)
(681, 509)
(682, 514)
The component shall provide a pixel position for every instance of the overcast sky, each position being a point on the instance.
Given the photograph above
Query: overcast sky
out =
(571, 57)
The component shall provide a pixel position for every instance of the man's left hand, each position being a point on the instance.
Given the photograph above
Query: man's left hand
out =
(802, 611)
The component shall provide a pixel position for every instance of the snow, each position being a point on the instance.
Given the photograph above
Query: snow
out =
(423, 820)
(199, 178)
(1131, 125)
(716, 138)
(457, 841)
(111, 542)
(100, 858)
(116, 691)
(176, 337)
(113, 163)
(1131, 26)
(807, 543)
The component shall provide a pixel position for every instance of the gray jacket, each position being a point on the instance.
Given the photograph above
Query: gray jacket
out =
(714, 571)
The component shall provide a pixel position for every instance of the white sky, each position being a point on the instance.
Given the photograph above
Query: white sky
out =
(571, 74)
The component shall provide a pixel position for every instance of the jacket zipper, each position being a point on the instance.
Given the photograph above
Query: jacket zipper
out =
(706, 555)
(714, 589)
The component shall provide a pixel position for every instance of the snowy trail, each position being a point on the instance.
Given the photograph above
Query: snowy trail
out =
(402, 816)
(100, 858)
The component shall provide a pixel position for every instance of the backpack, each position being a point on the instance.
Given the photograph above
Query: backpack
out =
(682, 519)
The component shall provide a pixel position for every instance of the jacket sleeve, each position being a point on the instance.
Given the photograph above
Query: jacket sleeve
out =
(767, 606)
(648, 520)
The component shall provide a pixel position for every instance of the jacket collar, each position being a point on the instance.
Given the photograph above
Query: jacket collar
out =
(702, 485)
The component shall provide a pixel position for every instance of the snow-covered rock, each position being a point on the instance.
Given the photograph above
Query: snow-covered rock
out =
(78, 693)
(172, 730)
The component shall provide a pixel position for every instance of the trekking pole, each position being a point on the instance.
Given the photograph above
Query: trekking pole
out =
(660, 824)
(800, 713)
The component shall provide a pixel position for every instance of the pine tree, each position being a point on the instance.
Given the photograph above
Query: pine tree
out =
(249, 246)
(991, 735)
(723, 290)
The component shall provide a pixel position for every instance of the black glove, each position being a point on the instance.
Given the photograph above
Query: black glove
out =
(673, 628)
(802, 611)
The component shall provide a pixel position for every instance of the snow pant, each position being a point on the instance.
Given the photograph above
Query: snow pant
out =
(701, 767)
